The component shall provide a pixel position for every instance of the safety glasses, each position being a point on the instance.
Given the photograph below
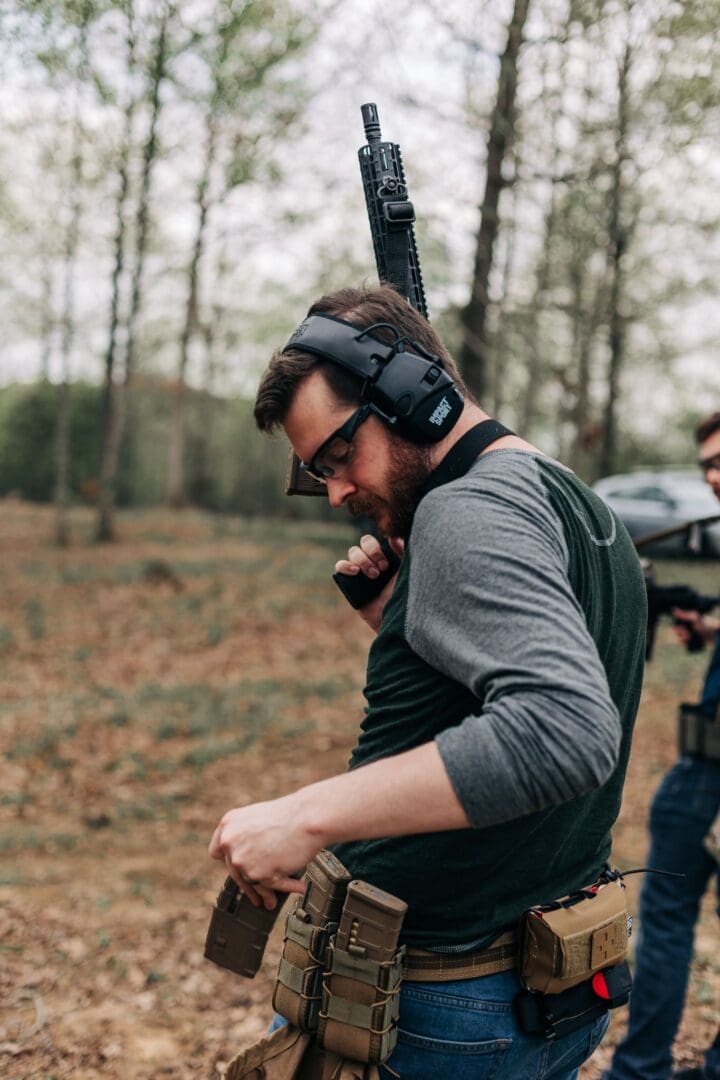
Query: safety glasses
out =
(333, 457)
(710, 463)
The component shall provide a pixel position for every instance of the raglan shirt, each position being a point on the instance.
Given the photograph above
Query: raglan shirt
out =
(514, 639)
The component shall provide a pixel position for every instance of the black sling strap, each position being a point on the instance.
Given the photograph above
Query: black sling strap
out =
(460, 458)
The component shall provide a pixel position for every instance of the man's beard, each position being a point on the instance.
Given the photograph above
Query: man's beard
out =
(409, 469)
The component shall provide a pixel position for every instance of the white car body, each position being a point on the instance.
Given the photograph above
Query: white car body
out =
(650, 500)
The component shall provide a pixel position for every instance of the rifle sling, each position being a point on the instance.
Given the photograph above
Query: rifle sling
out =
(461, 457)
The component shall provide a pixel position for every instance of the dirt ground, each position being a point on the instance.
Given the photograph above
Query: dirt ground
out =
(148, 686)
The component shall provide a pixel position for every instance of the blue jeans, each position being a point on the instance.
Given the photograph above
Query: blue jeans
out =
(682, 812)
(466, 1030)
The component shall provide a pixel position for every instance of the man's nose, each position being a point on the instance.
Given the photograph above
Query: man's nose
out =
(338, 490)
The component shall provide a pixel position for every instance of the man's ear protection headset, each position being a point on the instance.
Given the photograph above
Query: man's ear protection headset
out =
(409, 390)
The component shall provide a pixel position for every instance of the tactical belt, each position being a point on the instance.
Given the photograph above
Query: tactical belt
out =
(698, 733)
(423, 966)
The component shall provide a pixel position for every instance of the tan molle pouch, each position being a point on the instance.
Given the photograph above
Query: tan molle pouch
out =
(310, 926)
(291, 1054)
(361, 987)
(564, 943)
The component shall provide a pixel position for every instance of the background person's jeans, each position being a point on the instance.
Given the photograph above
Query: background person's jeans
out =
(682, 812)
(466, 1030)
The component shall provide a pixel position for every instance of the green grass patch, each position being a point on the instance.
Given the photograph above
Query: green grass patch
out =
(212, 750)
(35, 618)
(199, 709)
(701, 574)
(8, 878)
(15, 798)
(325, 689)
(84, 574)
(45, 744)
(216, 632)
(37, 840)
(33, 568)
(153, 808)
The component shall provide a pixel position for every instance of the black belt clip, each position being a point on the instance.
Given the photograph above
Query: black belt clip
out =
(554, 1015)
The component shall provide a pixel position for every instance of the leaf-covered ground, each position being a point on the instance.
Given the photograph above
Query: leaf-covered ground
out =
(147, 686)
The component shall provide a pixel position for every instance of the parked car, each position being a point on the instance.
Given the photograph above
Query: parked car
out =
(658, 499)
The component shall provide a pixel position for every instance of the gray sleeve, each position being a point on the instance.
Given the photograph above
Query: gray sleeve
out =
(490, 605)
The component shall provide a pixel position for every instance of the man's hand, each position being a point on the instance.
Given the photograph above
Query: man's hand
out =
(692, 622)
(367, 558)
(262, 845)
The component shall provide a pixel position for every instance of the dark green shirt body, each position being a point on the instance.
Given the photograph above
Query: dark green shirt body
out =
(514, 638)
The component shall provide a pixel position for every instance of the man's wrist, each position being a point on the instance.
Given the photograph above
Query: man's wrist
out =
(309, 814)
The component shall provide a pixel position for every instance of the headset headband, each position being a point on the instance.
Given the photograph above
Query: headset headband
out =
(334, 339)
(410, 390)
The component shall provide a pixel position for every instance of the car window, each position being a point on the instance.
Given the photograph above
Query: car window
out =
(645, 491)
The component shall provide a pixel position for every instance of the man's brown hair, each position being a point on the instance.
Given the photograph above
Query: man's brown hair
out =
(707, 427)
(362, 307)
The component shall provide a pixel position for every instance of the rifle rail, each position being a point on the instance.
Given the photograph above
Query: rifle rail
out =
(675, 530)
(384, 185)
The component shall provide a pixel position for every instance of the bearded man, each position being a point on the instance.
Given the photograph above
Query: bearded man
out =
(502, 685)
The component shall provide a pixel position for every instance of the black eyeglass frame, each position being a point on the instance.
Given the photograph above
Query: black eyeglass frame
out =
(346, 432)
(706, 464)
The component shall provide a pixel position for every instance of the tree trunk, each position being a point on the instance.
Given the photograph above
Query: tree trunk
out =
(500, 356)
(47, 320)
(119, 389)
(618, 240)
(113, 402)
(586, 322)
(72, 236)
(176, 478)
(536, 368)
(62, 464)
(535, 358)
(474, 351)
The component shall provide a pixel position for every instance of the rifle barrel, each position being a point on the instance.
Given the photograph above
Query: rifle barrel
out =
(665, 534)
(371, 122)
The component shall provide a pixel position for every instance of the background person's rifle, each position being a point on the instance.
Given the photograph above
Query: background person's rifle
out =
(663, 599)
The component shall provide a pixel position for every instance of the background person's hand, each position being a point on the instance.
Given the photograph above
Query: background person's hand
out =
(693, 623)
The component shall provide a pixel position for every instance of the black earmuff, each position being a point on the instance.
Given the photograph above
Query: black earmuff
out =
(407, 386)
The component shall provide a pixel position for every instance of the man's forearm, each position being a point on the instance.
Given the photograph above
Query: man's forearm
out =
(396, 796)
(263, 845)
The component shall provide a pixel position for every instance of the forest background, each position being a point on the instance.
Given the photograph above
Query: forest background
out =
(177, 183)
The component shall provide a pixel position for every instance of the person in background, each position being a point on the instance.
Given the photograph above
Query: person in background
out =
(682, 815)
